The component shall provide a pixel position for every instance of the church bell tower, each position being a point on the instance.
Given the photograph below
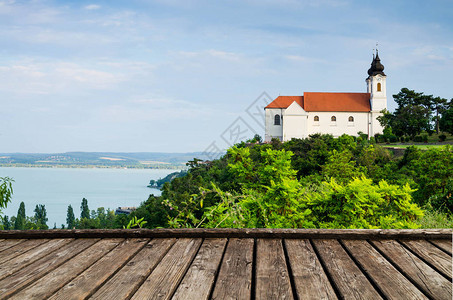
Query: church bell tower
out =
(376, 85)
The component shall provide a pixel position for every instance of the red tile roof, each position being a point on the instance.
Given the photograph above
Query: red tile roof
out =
(337, 102)
(285, 101)
(356, 102)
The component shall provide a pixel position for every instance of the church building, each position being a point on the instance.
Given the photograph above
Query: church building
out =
(290, 117)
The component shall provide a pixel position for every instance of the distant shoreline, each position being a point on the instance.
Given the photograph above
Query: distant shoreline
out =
(61, 166)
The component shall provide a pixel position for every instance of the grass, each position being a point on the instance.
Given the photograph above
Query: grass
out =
(435, 219)
(421, 146)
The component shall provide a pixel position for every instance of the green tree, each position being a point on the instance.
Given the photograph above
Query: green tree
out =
(70, 218)
(446, 122)
(84, 210)
(5, 223)
(41, 216)
(6, 191)
(411, 120)
(21, 218)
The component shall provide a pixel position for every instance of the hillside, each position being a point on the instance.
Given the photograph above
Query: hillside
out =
(100, 159)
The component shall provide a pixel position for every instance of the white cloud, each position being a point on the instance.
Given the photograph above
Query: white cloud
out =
(92, 7)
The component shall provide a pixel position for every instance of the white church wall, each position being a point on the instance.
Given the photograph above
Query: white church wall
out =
(376, 126)
(295, 127)
(271, 129)
(295, 122)
(341, 125)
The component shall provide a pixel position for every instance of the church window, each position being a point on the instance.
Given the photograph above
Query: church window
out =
(351, 119)
(277, 120)
(316, 119)
(333, 119)
(379, 87)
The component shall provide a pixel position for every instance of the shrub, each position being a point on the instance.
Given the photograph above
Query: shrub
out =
(393, 138)
(425, 138)
(362, 204)
(378, 138)
(418, 139)
(442, 137)
(407, 139)
(402, 139)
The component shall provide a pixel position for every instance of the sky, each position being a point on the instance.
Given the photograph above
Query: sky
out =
(187, 75)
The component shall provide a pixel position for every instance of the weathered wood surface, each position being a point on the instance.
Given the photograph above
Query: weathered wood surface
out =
(350, 281)
(199, 280)
(310, 280)
(235, 276)
(432, 255)
(17, 250)
(427, 279)
(5, 244)
(272, 278)
(391, 282)
(225, 268)
(124, 284)
(29, 274)
(87, 283)
(165, 278)
(23, 260)
(232, 233)
(444, 245)
(57, 278)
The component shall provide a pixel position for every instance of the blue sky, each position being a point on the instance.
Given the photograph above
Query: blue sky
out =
(175, 76)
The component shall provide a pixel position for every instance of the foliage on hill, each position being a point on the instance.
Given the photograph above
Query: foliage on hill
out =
(158, 184)
(320, 181)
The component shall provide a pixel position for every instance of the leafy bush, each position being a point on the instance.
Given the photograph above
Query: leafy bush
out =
(418, 139)
(425, 138)
(393, 138)
(361, 204)
(442, 137)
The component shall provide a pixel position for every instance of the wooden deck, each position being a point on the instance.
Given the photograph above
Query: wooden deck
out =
(226, 264)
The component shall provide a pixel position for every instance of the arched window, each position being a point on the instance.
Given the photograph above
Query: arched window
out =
(379, 87)
(277, 120)
(351, 119)
(333, 119)
(316, 119)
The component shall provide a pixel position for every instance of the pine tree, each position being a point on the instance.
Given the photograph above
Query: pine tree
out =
(41, 216)
(70, 218)
(19, 224)
(84, 210)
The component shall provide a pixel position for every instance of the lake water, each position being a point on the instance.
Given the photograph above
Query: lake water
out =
(57, 188)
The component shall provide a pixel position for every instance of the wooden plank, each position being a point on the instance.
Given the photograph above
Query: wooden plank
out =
(272, 278)
(349, 280)
(164, 280)
(5, 244)
(436, 257)
(233, 233)
(54, 280)
(390, 281)
(309, 278)
(444, 245)
(235, 275)
(124, 284)
(23, 260)
(19, 249)
(31, 273)
(426, 278)
(199, 280)
(89, 281)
